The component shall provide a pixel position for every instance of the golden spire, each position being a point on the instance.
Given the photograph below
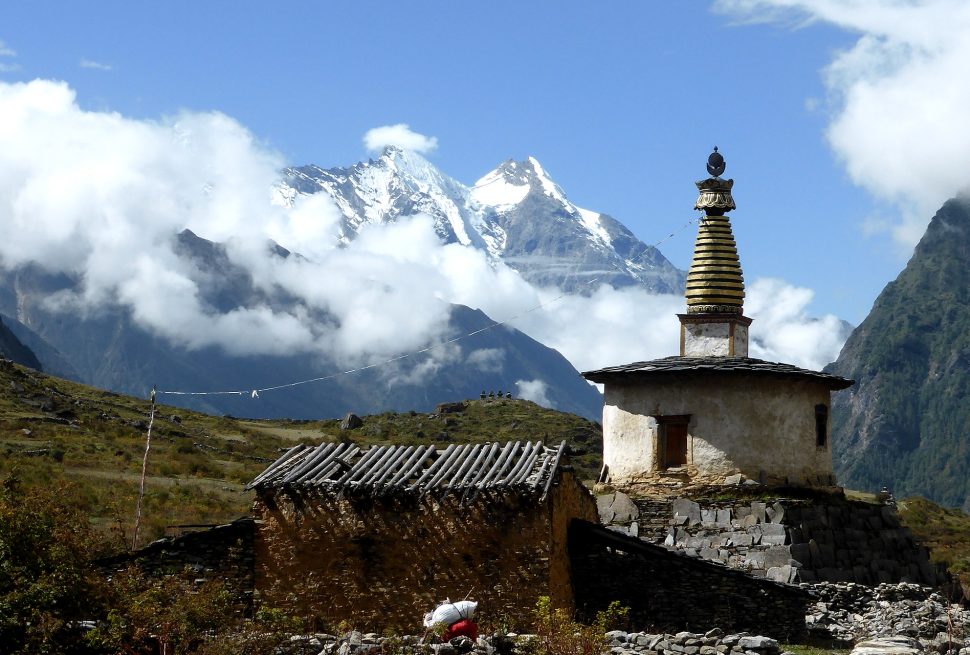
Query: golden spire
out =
(715, 284)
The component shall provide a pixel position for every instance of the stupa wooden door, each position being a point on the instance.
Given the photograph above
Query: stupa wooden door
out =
(675, 444)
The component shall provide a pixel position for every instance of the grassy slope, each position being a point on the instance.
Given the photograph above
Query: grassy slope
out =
(52, 429)
(946, 532)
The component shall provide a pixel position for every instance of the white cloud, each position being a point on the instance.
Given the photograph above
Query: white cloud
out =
(6, 51)
(8, 68)
(782, 331)
(534, 390)
(95, 65)
(124, 187)
(899, 97)
(489, 360)
(611, 326)
(399, 135)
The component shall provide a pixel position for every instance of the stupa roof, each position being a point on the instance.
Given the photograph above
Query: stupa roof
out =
(670, 367)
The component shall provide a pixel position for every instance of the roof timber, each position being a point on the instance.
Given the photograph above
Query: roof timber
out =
(462, 470)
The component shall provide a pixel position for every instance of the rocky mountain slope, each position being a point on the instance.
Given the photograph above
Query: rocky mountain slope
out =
(906, 423)
(13, 349)
(516, 213)
(110, 350)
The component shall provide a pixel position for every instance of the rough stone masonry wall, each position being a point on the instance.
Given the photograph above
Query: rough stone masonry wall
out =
(223, 553)
(668, 591)
(826, 538)
(382, 563)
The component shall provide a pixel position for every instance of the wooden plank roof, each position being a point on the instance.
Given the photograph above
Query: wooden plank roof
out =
(687, 366)
(459, 469)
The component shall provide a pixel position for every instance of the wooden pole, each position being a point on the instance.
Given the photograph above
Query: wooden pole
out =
(144, 468)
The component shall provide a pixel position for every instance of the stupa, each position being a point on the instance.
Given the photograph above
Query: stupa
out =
(713, 415)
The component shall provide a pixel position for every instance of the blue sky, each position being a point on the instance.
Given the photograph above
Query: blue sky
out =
(621, 102)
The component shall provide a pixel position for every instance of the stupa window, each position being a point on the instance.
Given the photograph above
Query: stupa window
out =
(821, 425)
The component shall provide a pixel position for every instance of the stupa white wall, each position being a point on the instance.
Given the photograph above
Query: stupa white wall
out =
(760, 426)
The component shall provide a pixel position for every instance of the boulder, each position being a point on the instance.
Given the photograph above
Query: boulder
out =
(758, 643)
(624, 511)
(603, 507)
(450, 408)
(687, 507)
(780, 573)
(351, 422)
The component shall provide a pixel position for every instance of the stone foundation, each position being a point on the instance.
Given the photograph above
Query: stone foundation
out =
(824, 538)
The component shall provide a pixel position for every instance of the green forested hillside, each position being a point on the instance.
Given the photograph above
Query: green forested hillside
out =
(906, 423)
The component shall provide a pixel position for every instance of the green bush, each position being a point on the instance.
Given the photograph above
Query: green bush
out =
(558, 634)
(168, 615)
(46, 584)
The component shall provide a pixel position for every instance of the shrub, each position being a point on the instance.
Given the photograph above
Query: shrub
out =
(167, 615)
(46, 586)
(558, 634)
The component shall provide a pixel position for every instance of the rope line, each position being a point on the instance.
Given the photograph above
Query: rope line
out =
(254, 393)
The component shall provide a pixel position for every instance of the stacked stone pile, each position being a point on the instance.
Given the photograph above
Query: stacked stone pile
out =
(616, 642)
(850, 612)
(714, 642)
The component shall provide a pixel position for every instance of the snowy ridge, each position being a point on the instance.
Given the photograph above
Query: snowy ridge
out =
(516, 213)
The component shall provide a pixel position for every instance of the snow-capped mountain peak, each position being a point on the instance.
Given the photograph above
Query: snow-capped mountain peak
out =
(549, 187)
(516, 214)
(512, 181)
(502, 188)
(409, 164)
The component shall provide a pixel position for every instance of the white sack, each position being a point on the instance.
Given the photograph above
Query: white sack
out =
(448, 612)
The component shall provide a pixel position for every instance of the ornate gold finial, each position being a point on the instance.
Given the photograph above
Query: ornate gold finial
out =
(715, 283)
(715, 193)
(715, 196)
(716, 163)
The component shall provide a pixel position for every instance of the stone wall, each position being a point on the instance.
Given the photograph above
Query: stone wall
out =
(823, 538)
(381, 563)
(224, 553)
(668, 591)
(615, 642)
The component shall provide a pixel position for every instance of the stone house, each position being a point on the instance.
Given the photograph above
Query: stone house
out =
(714, 412)
(377, 537)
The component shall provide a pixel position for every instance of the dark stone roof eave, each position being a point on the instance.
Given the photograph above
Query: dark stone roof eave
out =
(681, 367)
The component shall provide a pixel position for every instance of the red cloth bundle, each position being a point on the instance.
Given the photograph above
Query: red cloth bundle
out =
(463, 628)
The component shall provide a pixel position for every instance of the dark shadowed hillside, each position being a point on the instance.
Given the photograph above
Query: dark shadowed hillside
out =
(12, 348)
